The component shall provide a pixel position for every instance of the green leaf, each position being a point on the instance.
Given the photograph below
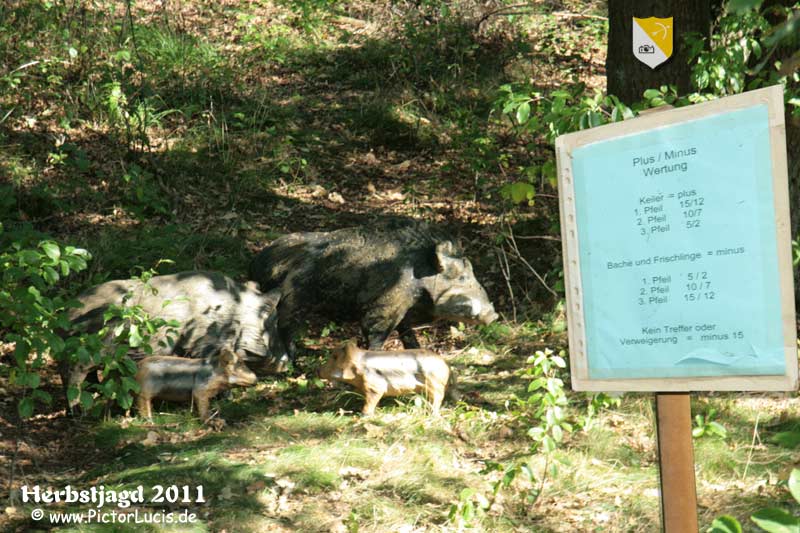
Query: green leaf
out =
(756, 48)
(86, 399)
(21, 351)
(698, 432)
(794, 484)
(42, 396)
(51, 249)
(523, 112)
(130, 384)
(130, 366)
(627, 113)
(536, 433)
(50, 275)
(776, 521)
(521, 191)
(56, 343)
(702, 80)
(32, 380)
(468, 513)
(740, 6)
(25, 407)
(134, 337)
(719, 429)
(76, 262)
(125, 400)
(72, 394)
(536, 384)
(652, 93)
(83, 355)
(33, 291)
(29, 257)
(109, 388)
(509, 476)
(725, 524)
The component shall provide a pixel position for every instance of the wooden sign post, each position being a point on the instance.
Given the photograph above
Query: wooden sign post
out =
(676, 462)
(675, 451)
(677, 264)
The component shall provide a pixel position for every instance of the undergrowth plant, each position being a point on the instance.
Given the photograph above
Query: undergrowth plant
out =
(33, 308)
(544, 411)
(127, 330)
(34, 316)
(771, 519)
(706, 425)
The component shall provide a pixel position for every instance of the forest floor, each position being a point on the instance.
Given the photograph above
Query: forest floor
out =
(205, 130)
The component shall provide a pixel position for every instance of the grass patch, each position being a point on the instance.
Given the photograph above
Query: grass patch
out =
(205, 130)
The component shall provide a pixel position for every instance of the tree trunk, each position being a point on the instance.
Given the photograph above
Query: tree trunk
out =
(628, 77)
(793, 155)
(784, 52)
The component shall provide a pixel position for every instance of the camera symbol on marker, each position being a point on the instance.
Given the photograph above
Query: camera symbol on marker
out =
(647, 49)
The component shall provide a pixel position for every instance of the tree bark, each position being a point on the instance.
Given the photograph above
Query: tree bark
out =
(784, 52)
(628, 77)
(793, 156)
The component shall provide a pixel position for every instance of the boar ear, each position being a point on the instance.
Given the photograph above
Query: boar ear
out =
(446, 248)
(446, 262)
(467, 265)
(351, 349)
(227, 357)
(251, 285)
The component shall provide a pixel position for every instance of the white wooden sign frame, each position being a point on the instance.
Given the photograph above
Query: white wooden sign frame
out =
(773, 98)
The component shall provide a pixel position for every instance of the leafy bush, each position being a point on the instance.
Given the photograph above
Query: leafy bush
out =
(33, 310)
(127, 329)
(34, 316)
(742, 52)
(772, 519)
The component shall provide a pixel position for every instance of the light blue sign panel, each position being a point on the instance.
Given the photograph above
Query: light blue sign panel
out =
(678, 250)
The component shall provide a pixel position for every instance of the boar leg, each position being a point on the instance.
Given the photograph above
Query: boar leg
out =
(434, 392)
(379, 322)
(373, 396)
(144, 406)
(407, 335)
(287, 323)
(201, 400)
(436, 395)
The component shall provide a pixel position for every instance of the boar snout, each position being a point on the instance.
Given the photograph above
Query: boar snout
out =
(455, 304)
(242, 377)
(330, 370)
(234, 369)
(488, 316)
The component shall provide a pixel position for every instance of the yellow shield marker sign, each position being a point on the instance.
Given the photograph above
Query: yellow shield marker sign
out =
(652, 40)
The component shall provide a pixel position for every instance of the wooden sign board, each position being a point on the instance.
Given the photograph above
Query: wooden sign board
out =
(677, 249)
